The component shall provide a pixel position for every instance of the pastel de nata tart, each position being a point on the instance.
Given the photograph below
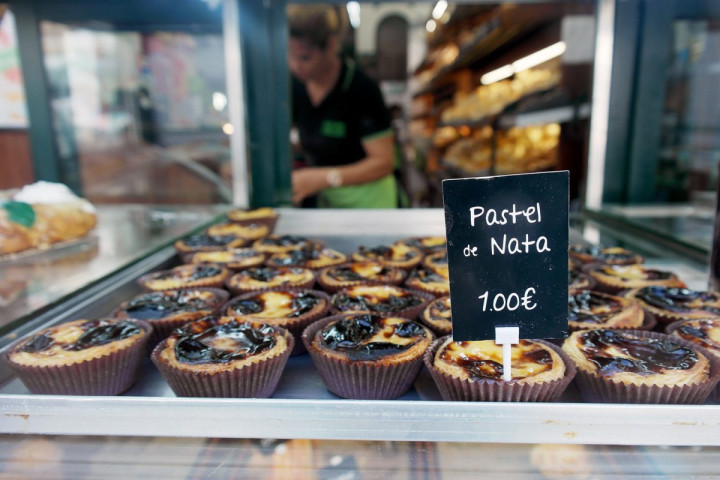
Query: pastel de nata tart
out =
(346, 275)
(397, 255)
(426, 244)
(670, 304)
(437, 261)
(224, 357)
(312, 258)
(185, 276)
(170, 309)
(232, 259)
(579, 281)
(367, 356)
(704, 332)
(438, 316)
(616, 278)
(634, 366)
(284, 243)
(589, 310)
(606, 255)
(380, 299)
(81, 357)
(260, 216)
(473, 371)
(428, 280)
(203, 242)
(270, 278)
(291, 309)
(249, 232)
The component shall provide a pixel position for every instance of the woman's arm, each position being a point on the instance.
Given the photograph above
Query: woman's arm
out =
(377, 164)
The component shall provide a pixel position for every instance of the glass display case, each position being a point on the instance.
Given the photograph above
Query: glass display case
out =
(332, 436)
(659, 172)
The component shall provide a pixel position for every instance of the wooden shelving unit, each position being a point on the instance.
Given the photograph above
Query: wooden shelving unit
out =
(474, 41)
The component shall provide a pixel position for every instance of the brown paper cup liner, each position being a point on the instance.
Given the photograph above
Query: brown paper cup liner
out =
(294, 325)
(601, 390)
(235, 290)
(200, 283)
(109, 374)
(336, 288)
(360, 380)
(257, 380)
(455, 389)
(410, 313)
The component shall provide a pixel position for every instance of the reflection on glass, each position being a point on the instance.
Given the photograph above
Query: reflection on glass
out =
(690, 144)
(142, 112)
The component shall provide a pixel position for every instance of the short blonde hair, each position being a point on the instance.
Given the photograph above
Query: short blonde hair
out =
(314, 24)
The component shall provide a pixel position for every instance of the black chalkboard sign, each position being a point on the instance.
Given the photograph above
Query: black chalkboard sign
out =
(507, 241)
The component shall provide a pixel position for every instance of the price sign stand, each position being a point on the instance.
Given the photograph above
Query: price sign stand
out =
(507, 240)
(507, 337)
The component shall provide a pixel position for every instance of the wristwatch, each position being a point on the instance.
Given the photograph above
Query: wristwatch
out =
(334, 178)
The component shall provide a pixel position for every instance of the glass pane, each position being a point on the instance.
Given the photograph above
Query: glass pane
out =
(142, 115)
(690, 136)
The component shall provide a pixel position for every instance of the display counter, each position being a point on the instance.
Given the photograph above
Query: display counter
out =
(302, 409)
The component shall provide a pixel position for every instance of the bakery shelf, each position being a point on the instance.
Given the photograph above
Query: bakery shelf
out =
(563, 114)
(303, 408)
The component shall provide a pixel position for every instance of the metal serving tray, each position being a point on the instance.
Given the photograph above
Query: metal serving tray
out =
(301, 406)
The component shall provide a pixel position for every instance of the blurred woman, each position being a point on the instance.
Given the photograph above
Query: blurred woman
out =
(343, 124)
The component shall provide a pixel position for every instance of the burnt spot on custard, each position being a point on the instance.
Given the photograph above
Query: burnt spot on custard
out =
(195, 272)
(296, 258)
(480, 368)
(301, 303)
(268, 274)
(697, 332)
(385, 253)
(204, 240)
(287, 241)
(426, 244)
(647, 356)
(95, 333)
(350, 274)
(587, 306)
(357, 336)
(680, 299)
(212, 341)
(624, 274)
(163, 304)
(392, 304)
(426, 276)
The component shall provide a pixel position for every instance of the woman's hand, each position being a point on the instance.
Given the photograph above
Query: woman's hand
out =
(377, 164)
(307, 182)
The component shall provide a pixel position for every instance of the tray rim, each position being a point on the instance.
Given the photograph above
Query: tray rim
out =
(486, 422)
